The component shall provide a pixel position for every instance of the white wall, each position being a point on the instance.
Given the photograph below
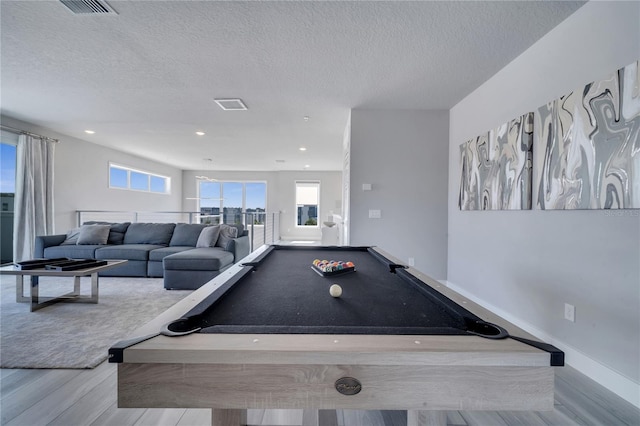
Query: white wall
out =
(527, 264)
(81, 182)
(330, 201)
(403, 155)
(280, 195)
(81, 179)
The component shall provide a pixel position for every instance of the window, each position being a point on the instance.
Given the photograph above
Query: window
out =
(8, 161)
(121, 177)
(7, 168)
(307, 203)
(255, 196)
(232, 203)
(227, 202)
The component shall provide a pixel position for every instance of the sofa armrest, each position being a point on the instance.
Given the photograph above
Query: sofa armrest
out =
(44, 241)
(239, 247)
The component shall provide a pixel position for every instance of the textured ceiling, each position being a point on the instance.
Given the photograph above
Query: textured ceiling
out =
(144, 80)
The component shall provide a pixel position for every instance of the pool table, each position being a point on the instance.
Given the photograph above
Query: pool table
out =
(267, 333)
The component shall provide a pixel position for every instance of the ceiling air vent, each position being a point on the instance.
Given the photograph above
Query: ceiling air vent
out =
(231, 104)
(92, 7)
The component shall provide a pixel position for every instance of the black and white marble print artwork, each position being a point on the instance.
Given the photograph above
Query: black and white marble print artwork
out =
(496, 168)
(587, 146)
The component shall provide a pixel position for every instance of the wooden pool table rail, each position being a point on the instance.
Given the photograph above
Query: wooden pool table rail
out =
(230, 373)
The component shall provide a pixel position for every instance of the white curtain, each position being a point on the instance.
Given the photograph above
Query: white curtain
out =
(33, 209)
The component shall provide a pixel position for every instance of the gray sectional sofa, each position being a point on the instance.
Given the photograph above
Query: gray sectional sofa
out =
(185, 255)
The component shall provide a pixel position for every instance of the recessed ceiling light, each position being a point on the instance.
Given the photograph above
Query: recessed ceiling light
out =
(91, 132)
(306, 166)
(200, 133)
(306, 118)
(302, 148)
(235, 104)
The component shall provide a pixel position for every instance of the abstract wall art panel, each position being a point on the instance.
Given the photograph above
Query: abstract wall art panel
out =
(496, 168)
(587, 147)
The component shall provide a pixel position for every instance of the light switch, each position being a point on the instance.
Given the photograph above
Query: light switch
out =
(375, 214)
(366, 187)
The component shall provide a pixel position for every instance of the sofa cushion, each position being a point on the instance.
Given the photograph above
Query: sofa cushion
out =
(149, 233)
(93, 234)
(72, 237)
(199, 259)
(116, 234)
(186, 234)
(117, 231)
(209, 236)
(71, 251)
(227, 233)
(158, 254)
(126, 251)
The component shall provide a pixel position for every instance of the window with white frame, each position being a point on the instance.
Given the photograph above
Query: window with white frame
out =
(307, 203)
(227, 202)
(122, 177)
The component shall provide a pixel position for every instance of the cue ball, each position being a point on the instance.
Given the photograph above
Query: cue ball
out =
(335, 290)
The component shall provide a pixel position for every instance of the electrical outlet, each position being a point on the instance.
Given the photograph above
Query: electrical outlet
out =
(375, 214)
(412, 261)
(569, 312)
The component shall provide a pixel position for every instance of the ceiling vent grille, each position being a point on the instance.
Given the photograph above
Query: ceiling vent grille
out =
(89, 7)
(231, 104)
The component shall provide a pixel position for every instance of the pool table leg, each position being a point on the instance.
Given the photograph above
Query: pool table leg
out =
(426, 418)
(228, 417)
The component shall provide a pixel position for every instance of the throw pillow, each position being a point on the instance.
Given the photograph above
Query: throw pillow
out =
(186, 234)
(72, 237)
(227, 233)
(93, 234)
(208, 236)
(116, 234)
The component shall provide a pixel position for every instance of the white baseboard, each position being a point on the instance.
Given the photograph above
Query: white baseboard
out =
(610, 379)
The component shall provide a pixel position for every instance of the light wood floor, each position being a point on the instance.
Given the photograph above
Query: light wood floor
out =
(88, 397)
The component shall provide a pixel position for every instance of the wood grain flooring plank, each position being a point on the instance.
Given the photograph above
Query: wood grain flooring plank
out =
(120, 416)
(58, 400)
(160, 416)
(482, 418)
(6, 372)
(455, 419)
(34, 388)
(23, 377)
(12, 377)
(557, 417)
(90, 406)
(584, 407)
(195, 417)
(521, 418)
(601, 396)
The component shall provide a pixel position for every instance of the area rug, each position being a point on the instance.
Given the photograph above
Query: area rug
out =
(76, 335)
